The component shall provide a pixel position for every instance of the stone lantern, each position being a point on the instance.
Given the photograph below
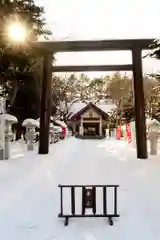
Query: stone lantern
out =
(30, 125)
(153, 135)
(8, 135)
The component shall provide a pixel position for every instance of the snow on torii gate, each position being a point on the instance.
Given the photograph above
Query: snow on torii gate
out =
(134, 45)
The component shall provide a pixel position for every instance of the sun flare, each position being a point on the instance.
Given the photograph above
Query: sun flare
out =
(17, 32)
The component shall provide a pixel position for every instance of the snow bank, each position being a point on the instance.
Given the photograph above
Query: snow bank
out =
(29, 202)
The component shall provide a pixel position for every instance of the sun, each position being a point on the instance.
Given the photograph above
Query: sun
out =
(17, 32)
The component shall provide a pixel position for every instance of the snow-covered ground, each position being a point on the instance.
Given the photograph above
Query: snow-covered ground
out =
(29, 196)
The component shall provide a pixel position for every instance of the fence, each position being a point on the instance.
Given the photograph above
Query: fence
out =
(88, 202)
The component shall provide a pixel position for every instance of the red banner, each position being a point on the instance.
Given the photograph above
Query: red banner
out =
(128, 129)
(64, 132)
(118, 133)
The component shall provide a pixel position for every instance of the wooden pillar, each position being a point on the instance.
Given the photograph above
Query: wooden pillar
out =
(45, 110)
(139, 103)
(74, 128)
(100, 126)
(81, 129)
(82, 126)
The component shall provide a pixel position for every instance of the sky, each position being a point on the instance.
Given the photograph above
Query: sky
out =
(102, 19)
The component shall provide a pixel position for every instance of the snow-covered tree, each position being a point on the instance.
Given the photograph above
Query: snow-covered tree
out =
(68, 89)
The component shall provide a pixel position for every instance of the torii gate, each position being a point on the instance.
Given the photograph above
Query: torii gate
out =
(134, 45)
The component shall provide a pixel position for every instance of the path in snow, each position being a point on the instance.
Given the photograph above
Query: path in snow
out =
(29, 202)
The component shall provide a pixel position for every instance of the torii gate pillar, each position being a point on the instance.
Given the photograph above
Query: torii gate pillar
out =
(45, 111)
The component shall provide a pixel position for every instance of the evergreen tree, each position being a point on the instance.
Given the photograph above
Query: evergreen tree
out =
(20, 63)
(155, 97)
(17, 60)
(155, 49)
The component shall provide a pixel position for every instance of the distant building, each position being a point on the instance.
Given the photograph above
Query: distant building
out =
(89, 119)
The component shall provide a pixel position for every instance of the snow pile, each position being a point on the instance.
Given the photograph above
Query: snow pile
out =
(150, 121)
(30, 121)
(61, 123)
(57, 128)
(8, 117)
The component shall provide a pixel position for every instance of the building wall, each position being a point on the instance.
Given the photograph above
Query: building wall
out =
(90, 113)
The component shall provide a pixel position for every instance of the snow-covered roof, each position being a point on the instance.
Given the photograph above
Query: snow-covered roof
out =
(106, 107)
(76, 107)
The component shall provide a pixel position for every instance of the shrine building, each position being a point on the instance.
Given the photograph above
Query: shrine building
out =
(89, 120)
